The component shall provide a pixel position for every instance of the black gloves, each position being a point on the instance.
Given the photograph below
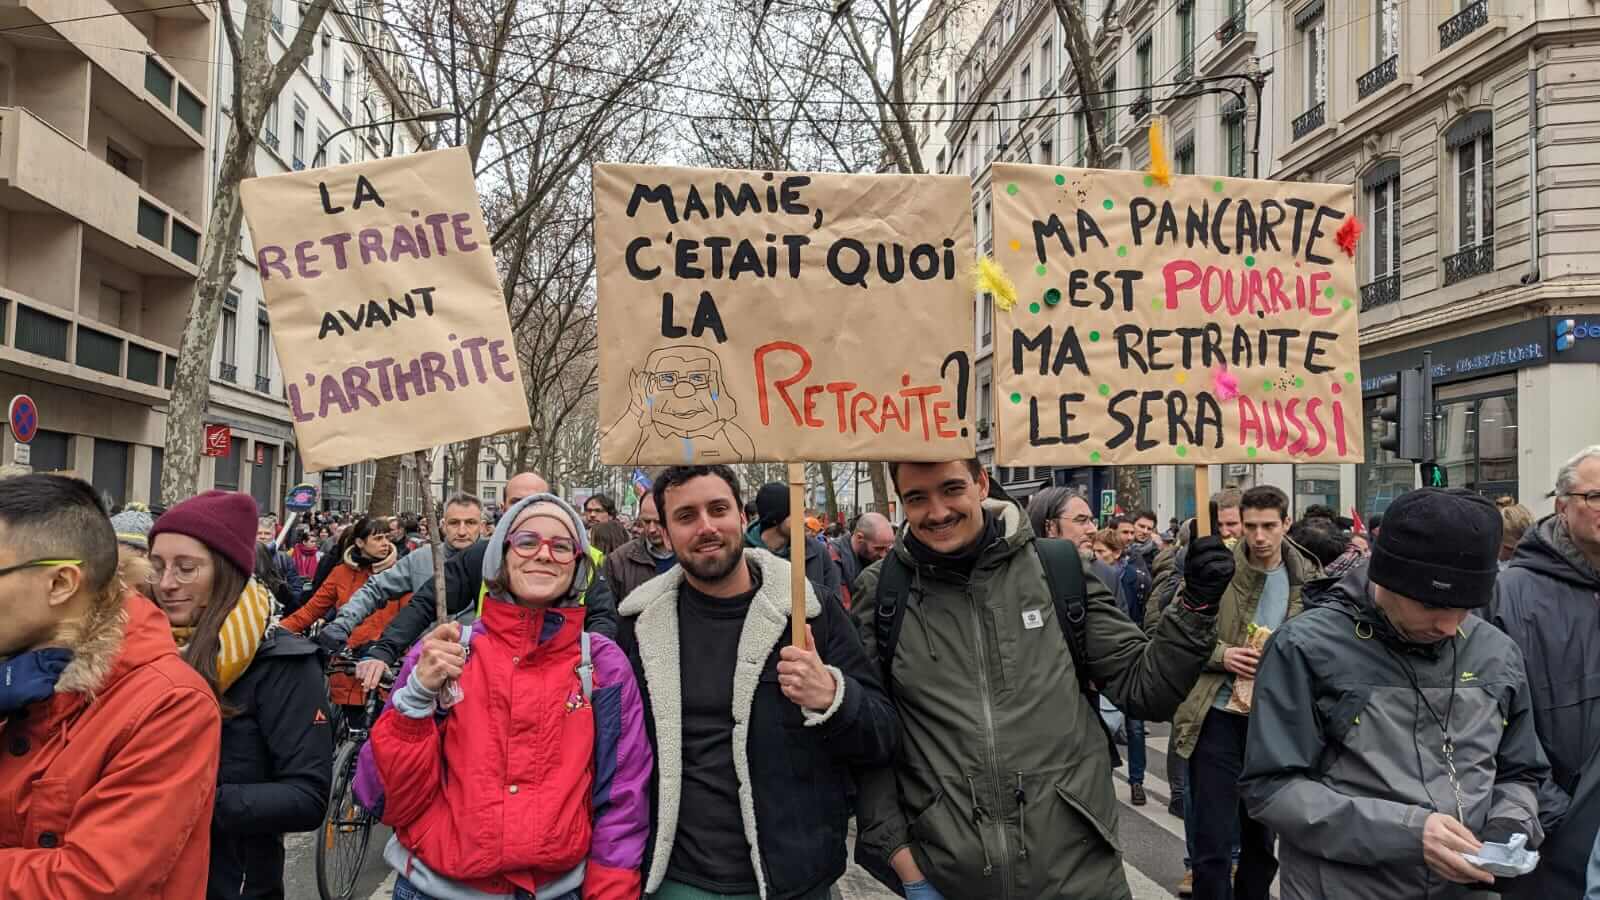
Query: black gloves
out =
(333, 636)
(1206, 573)
(1498, 831)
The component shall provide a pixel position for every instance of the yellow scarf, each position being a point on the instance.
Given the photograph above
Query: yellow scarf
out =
(241, 633)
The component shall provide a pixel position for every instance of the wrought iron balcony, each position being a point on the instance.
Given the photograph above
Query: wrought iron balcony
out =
(1185, 68)
(1463, 23)
(1380, 292)
(263, 384)
(1231, 29)
(269, 140)
(1470, 262)
(298, 164)
(1310, 120)
(1380, 75)
(1140, 107)
(228, 372)
(327, 88)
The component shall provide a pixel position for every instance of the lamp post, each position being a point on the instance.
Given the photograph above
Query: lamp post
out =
(436, 114)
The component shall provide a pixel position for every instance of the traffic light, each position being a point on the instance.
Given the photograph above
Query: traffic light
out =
(1433, 475)
(1412, 414)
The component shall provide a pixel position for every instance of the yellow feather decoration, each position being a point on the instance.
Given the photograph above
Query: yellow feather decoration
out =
(1160, 166)
(990, 279)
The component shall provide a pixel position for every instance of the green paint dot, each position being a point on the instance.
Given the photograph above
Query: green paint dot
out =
(1155, 302)
(1216, 186)
(1011, 188)
(1061, 179)
(1350, 377)
(1266, 385)
(1182, 450)
(1108, 204)
(1016, 398)
(1346, 303)
(1094, 336)
(1039, 269)
(1250, 452)
(1033, 307)
(1122, 250)
(1105, 390)
(1327, 292)
(1299, 382)
(1250, 261)
(1095, 456)
(1052, 296)
(1149, 180)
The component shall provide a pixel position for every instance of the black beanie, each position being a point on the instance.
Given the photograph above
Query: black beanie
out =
(772, 504)
(1440, 548)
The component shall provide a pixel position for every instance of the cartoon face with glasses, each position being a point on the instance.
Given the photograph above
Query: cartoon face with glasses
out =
(683, 410)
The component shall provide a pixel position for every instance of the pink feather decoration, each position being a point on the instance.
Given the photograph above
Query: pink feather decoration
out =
(1224, 383)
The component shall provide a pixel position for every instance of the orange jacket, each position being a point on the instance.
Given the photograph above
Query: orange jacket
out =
(106, 788)
(337, 589)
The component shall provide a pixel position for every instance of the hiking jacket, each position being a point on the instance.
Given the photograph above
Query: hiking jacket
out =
(1345, 764)
(1238, 608)
(106, 788)
(276, 769)
(340, 586)
(1548, 601)
(793, 765)
(411, 572)
(463, 578)
(1002, 787)
(629, 566)
(820, 568)
(522, 784)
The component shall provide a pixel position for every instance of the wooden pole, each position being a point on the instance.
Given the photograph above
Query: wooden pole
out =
(1202, 501)
(797, 553)
(435, 537)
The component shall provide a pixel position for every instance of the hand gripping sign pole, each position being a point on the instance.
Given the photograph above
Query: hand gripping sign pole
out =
(797, 553)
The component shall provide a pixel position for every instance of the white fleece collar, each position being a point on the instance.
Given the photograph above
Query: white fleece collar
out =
(656, 604)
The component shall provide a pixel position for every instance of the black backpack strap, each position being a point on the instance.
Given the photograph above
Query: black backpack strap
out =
(1063, 573)
(894, 583)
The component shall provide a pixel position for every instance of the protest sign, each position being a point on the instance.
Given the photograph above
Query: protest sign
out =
(783, 316)
(1209, 320)
(390, 324)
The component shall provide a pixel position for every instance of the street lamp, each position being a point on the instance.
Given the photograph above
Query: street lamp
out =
(436, 114)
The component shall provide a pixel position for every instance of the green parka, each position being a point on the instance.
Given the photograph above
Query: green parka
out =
(1003, 784)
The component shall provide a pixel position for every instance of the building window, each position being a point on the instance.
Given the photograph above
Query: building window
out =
(1047, 152)
(1315, 484)
(488, 471)
(1143, 57)
(270, 126)
(225, 477)
(263, 353)
(1475, 191)
(1314, 39)
(1046, 64)
(1080, 138)
(1184, 157)
(1384, 200)
(1475, 440)
(1003, 122)
(986, 320)
(297, 138)
(322, 147)
(1108, 113)
(985, 407)
(277, 17)
(1185, 41)
(1382, 476)
(1233, 116)
(228, 339)
(1025, 88)
(347, 89)
(1387, 22)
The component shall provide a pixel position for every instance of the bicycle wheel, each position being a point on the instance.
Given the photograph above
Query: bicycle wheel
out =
(346, 829)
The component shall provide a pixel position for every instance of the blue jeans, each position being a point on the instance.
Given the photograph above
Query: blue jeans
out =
(1136, 760)
(405, 890)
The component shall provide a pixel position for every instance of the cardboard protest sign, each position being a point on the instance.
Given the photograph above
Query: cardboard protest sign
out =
(1212, 320)
(782, 316)
(391, 327)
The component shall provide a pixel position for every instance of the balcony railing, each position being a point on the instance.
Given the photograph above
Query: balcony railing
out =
(1380, 292)
(1232, 28)
(86, 345)
(1310, 120)
(1380, 75)
(1469, 263)
(228, 372)
(263, 384)
(327, 88)
(1140, 107)
(1185, 68)
(270, 141)
(298, 164)
(1463, 23)
(152, 225)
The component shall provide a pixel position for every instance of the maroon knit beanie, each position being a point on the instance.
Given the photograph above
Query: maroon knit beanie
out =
(225, 521)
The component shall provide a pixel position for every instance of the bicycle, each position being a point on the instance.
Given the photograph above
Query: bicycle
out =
(347, 828)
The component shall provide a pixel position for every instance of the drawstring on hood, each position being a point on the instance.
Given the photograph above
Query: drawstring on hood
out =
(494, 555)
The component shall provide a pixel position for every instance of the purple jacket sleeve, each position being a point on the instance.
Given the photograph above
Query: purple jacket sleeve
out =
(623, 763)
(368, 784)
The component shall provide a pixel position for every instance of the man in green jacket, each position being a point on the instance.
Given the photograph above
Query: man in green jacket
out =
(1002, 786)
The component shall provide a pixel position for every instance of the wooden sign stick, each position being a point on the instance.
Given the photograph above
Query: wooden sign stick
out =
(1202, 502)
(797, 552)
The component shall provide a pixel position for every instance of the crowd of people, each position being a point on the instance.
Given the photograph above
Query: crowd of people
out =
(613, 707)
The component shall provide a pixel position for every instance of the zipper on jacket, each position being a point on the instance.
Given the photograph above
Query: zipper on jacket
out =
(1022, 817)
(989, 736)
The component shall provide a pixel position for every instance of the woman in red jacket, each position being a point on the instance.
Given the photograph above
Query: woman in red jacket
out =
(365, 551)
(539, 726)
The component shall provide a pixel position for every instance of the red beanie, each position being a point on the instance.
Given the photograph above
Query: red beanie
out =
(225, 521)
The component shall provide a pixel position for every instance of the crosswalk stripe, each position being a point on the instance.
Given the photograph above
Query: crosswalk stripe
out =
(1143, 888)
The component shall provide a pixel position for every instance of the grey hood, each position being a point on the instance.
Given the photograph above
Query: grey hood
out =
(494, 554)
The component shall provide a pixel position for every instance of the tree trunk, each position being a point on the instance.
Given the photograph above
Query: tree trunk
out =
(1081, 53)
(832, 496)
(469, 466)
(381, 502)
(880, 486)
(256, 82)
(1130, 495)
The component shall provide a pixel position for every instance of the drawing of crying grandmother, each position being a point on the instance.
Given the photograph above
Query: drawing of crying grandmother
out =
(684, 410)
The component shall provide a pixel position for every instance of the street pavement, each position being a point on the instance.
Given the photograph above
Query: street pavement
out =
(1152, 842)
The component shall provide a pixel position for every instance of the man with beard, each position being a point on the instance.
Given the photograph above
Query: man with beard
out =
(642, 558)
(988, 640)
(755, 739)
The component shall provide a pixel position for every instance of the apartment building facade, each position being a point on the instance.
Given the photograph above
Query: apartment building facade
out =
(1477, 211)
(357, 75)
(106, 121)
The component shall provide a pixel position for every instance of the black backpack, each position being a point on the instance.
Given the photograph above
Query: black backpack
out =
(1063, 574)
